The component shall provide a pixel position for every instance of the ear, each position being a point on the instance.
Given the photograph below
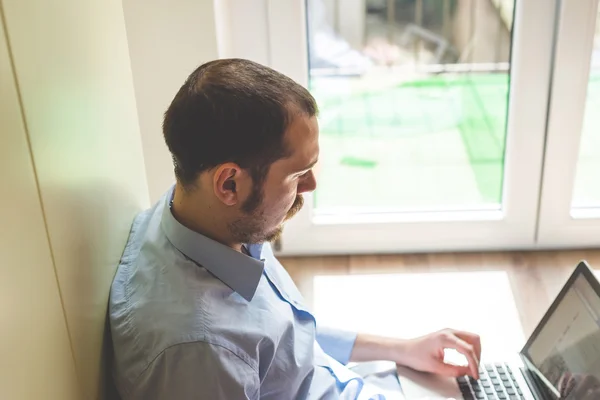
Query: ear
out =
(226, 183)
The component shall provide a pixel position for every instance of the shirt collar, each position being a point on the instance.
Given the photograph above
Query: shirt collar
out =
(238, 271)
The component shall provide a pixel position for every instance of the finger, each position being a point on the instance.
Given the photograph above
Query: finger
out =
(451, 370)
(565, 384)
(471, 338)
(571, 385)
(466, 350)
(562, 381)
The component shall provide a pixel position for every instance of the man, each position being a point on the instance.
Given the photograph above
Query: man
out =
(200, 308)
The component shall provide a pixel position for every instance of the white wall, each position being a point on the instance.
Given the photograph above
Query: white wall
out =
(72, 148)
(34, 344)
(74, 78)
(167, 41)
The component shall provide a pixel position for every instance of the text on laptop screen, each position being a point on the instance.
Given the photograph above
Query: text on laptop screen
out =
(569, 342)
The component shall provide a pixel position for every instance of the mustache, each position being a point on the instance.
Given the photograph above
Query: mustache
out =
(298, 204)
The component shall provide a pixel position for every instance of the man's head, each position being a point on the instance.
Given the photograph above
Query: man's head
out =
(244, 139)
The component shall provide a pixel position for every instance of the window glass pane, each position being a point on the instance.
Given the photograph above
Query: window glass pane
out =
(413, 97)
(587, 179)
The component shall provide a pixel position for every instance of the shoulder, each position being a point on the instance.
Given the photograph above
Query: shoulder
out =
(161, 302)
(183, 306)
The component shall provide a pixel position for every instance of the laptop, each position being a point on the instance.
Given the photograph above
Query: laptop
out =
(561, 359)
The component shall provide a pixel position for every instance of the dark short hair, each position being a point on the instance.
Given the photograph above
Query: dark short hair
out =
(232, 110)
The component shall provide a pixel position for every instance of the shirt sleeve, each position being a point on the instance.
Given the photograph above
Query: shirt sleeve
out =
(197, 371)
(337, 343)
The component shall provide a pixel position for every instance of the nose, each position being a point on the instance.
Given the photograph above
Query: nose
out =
(308, 184)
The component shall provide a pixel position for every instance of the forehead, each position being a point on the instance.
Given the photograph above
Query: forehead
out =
(302, 139)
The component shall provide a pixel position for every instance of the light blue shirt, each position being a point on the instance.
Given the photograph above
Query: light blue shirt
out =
(193, 319)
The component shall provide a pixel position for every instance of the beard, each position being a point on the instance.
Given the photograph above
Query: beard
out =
(296, 207)
(250, 228)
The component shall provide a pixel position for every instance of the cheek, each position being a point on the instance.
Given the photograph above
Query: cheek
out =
(291, 197)
(287, 192)
(281, 201)
(285, 201)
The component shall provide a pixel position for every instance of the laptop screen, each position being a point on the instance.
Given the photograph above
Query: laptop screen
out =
(564, 350)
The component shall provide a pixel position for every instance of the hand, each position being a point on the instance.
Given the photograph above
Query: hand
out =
(579, 387)
(427, 353)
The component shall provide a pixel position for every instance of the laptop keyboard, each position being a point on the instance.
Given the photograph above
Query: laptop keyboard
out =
(496, 381)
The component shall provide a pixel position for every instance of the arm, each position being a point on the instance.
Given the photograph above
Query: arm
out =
(196, 371)
(372, 348)
(425, 353)
(337, 343)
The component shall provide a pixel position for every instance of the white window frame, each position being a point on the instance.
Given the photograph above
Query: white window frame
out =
(273, 32)
(559, 225)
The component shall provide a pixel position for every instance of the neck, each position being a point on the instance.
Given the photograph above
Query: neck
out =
(193, 211)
